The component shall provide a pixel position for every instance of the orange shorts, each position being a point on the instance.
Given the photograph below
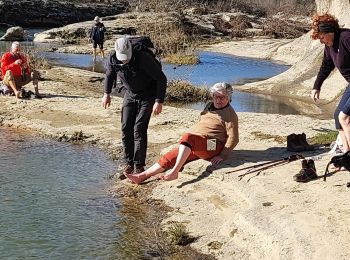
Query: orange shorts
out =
(198, 145)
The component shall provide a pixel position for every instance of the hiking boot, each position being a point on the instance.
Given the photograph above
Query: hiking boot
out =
(293, 143)
(311, 165)
(307, 173)
(139, 169)
(304, 143)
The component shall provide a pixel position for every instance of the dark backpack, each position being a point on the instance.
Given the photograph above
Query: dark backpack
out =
(138, 43)
(98, 34)
(341, 160)
(144, 43)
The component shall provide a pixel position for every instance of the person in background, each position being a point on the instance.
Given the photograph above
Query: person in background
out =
(212, 138)
(97, 36)
(336, 55)
(16, 72)
(145, 86)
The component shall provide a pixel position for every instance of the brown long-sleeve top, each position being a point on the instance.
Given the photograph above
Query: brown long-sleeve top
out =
(220, 124)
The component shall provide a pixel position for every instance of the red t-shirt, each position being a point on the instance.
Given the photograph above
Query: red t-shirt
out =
(8, 63)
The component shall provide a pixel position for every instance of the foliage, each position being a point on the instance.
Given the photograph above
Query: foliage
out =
(324, 138)
(263, 136)
(178, 234)
(36, 60)
(180, 90)
(169, 38)
(181, 59)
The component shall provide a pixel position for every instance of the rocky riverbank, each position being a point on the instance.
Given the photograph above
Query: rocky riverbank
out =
(270, 216)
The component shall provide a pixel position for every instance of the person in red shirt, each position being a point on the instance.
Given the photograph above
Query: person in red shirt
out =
(15, 72)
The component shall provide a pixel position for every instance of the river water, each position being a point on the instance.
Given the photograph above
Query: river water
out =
(214, 67)
(53, 200)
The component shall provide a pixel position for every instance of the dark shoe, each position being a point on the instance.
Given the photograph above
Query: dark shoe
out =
(38, 96)
(139, 169)
(304, 143)
(307, 173)
(128, 169)
(311, 165)
(293, 144)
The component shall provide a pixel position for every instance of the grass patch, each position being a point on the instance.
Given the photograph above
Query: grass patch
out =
(181, 90)
(179, 235)
(263, 136)
(182, 59)
(324, 138)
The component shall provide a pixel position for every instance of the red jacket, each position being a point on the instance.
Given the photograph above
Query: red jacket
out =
(8, 63)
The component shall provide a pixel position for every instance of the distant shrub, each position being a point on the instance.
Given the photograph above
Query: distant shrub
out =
(36, 60)
(181, 90)
(181, 59)
(282, 28)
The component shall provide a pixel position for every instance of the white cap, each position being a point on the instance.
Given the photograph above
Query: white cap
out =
(97, 19)
(123, 49)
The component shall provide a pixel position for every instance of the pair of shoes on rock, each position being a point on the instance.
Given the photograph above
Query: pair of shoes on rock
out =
(307, 173)
(298, 143)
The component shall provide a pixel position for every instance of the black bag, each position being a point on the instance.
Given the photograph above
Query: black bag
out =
(341, 160)
(144, 43)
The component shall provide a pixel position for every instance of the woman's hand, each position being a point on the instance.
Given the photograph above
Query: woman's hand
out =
(315, 95)
(216, 160)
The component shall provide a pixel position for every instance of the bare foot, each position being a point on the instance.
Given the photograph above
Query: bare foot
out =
(18, 94)
(137, 178)
(170, 176)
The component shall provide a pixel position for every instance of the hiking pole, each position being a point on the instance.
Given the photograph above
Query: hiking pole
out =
(290, 158)
(262, 169)
(270, 164)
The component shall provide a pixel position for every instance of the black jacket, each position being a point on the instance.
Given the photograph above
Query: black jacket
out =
(97, 33)
(142, 76)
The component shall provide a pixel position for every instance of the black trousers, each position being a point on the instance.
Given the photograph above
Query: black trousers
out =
(136, 114)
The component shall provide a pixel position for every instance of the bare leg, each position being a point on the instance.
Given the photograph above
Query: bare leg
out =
(153, 170)
(344, 120)
(343, 140)
(182, 156)
(14, 88)
(102, 53)
(94, 53)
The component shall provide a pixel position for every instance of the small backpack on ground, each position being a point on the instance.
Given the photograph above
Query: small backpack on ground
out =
(339, 161)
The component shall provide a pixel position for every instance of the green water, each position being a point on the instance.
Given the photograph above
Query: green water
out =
(53, 201)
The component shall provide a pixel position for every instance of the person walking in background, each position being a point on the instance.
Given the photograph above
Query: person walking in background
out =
(336, 54)
(212, 138)
(15, 72)
(97, 36)
(145, 85)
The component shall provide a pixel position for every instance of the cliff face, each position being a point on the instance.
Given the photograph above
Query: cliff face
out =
(307, 55)
(55, 13)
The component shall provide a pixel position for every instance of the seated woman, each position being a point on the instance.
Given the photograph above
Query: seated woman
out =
(212, 138)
